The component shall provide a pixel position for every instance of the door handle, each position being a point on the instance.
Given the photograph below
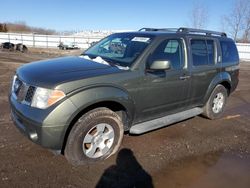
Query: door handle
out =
(184, 77)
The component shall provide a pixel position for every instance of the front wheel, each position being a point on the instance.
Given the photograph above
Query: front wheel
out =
(216, 103)
(96, 136)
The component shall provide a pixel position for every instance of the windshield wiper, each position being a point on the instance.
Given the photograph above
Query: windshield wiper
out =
(103, 60)
(114, 63)
(91, 56)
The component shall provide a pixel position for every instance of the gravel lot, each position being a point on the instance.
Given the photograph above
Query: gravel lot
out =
(194, 153)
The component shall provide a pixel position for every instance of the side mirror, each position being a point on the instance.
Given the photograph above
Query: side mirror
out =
(160, 65)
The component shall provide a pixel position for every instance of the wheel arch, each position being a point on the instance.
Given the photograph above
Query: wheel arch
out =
(121, 104)
(224, 79)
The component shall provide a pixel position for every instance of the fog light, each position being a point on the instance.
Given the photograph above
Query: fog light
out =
(33, 136)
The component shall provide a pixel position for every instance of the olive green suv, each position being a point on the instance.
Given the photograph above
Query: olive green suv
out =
(131, 82)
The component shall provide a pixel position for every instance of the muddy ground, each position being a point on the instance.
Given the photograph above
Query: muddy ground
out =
(194, 153)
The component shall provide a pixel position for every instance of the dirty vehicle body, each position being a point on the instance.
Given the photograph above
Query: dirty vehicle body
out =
(128, 82)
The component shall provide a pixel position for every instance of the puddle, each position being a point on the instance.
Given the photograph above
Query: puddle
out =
(207, 171)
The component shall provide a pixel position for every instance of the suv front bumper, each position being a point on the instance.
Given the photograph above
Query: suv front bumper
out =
(45, 127)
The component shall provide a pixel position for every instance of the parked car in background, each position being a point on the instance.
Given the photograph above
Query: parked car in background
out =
(93, 43)
(21, 47)
(10, 46)
(68, 46)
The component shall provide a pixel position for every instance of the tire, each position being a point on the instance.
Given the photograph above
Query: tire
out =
(215, 105)
(95, 136)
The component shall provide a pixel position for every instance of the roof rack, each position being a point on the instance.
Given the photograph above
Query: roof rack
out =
(158, 29)
(186, 30)
(202, 31)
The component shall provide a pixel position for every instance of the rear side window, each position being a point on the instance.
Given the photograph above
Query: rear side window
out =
(229, 52)
(203, 52)
(210, 52)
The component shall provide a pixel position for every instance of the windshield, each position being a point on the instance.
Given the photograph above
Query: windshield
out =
(121, 49)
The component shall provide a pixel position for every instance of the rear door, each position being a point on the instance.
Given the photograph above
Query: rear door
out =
(203, 64)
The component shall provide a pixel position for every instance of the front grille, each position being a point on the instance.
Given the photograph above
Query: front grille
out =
(22, 91)
(30, 94)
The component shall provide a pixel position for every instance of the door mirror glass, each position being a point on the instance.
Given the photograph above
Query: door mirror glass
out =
(160, 65)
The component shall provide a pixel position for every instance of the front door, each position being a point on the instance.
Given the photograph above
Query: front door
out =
(165, 91)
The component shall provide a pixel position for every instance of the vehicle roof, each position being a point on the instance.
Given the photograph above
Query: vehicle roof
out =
(181, 32)
(174, 34)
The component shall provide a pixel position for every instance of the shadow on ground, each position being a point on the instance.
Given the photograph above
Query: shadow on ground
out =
(126, 173)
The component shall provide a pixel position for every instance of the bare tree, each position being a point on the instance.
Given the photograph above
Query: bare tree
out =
(3, 27)
(24, 28)
(236, 20)
(199, 15)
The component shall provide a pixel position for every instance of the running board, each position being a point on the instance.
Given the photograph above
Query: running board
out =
(164, 121)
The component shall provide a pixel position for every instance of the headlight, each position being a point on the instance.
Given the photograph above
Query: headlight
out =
(13, 83)
(43, 98)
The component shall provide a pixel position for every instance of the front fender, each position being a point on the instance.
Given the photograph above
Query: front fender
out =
(219, 78)
(93, 95)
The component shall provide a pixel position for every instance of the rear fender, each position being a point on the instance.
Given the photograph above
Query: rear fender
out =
(219, 78)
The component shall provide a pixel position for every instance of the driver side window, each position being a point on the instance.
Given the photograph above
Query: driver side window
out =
(170, 50)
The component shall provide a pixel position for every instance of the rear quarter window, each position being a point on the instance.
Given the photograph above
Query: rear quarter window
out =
(229, 52)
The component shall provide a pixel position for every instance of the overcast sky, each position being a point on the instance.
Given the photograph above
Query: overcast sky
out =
(110, 14)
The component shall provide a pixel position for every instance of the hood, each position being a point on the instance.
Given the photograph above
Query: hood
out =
(49, 73)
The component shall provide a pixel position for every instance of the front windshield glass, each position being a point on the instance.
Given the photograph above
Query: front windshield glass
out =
(121, 49)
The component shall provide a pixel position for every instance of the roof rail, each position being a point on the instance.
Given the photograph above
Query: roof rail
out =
(206, 32)
(186, 30)
(158, 29)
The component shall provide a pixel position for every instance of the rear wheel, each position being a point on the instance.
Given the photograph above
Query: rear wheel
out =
(216, 103)
(96, 136)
